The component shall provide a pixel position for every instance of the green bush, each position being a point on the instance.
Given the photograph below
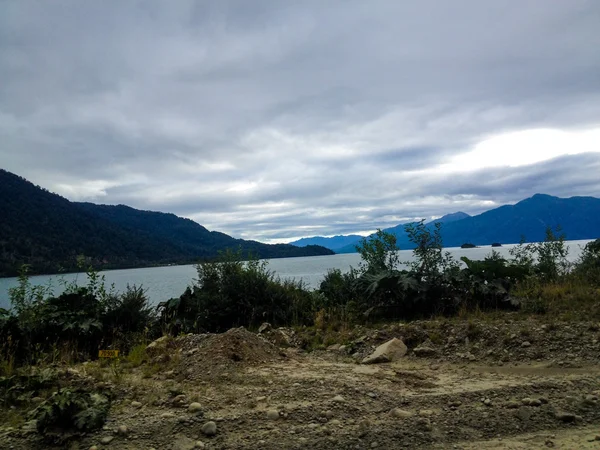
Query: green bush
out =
(232, 293)
(69, 412)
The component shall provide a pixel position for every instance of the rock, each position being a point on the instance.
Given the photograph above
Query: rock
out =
(364, 427)
(525, 344)
(182, 442)
(157, 346)
(194, 407)
(167, 415)
(388, 352)
(338, 399)
(93, 447)
(335, 422)
(209, 428)
(136, 404)
(264, 328)
(511, 404)
(374, 444)
(106, 440)
(37, 400)
(523, 413)
(535, 402)
(566, 417)
(272, 414)
(455, 404)
(426, 412)
(343, 349)
(424, 351)
(334, 348)
(200, 444)
(487, 402)
(526, 401)
(401, 413)
(123, 430)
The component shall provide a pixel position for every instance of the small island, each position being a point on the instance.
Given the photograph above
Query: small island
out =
(496, 244)
(468, 245)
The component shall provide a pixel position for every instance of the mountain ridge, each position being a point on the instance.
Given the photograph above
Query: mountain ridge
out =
(48, 232)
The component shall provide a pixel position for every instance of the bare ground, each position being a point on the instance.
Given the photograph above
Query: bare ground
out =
(287, 399)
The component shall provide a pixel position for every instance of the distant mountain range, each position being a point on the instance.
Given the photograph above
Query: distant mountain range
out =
(48, 232)
(579, 218)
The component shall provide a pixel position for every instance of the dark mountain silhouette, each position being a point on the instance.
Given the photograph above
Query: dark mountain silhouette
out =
(48, 232)
(333, 243)
(579, 218)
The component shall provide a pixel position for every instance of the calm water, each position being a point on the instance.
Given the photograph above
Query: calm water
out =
(162, 283)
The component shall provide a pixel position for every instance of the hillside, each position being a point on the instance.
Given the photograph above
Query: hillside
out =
(334, 243)
(579, 218)
(47, 231)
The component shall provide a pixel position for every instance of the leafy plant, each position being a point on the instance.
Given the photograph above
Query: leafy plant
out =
(70, 411)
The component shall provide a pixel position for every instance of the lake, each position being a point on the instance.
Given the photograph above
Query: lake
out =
(162, 283)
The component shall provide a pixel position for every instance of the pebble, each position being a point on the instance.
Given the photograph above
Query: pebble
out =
(487, 402)
(123, 430)
(106, 440)
(167, 415)
(401, 413)
(335, 422)
(136, 404)
(338, 399)
(272, 414)
(525, 344)
(372, 394)
(209, 428)
(374, 444)
(194, 407)
(566, 417)
(200, 444)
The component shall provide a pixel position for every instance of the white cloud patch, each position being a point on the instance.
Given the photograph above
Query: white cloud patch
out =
(271, 120)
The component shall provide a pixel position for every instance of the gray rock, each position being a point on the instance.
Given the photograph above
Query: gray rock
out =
(200, 444)
(209, 428)
(272, 414)
(136, 404)
(182, 442)
(194, 407)
(123, 430)
(401, 413)
(525, 344)
(264, 328)
(106, 440)
(424, 351)
(392, 350)
(566, 417)
(338, 399)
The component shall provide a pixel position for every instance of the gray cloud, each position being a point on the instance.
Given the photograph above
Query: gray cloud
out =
(271, 120)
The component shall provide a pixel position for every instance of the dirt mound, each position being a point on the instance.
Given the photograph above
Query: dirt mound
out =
(210, 354)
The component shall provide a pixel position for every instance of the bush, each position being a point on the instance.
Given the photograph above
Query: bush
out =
(232, 293)
(69, 412)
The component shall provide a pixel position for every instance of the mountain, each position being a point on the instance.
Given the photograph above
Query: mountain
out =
(579, 218)
(401, 235)
(334, 243)
(48, 232)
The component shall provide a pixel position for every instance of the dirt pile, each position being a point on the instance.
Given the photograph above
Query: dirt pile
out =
(209, 354)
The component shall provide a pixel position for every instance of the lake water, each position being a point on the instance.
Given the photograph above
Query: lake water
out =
(162, 283)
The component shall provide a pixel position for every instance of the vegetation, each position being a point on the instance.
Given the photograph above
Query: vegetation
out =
(43, 329)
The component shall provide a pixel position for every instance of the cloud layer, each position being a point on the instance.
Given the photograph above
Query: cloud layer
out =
(271, 120)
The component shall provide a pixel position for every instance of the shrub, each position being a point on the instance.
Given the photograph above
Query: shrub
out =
(69, 412)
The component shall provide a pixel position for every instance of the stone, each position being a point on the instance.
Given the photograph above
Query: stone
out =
(338, 399)
(106, 440)
(535, 402)
(525, 344)
(426, 412)
(400, 413)
(123, 430)
(136, 404)
(158, 345)
(93, 447)
(390, 351)
(200, 444)
(209, 428)
(511, 404)
(272, 414)
(424, 351)
(167, 415)
(264, 328)
(334, 347)
(487, 402)
(194, 407)
(343, 349)
(182, 442)
(566, 417)
(526, 401)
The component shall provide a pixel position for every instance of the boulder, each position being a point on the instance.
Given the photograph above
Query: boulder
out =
(158, 346)
(264, 328)
(388, 352)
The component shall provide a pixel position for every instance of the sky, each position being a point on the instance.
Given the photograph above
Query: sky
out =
(274, 120)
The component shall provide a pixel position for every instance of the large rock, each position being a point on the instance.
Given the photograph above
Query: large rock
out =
(388, 352)
(158, 346)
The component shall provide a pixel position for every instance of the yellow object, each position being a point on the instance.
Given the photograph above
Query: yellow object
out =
(108, 354)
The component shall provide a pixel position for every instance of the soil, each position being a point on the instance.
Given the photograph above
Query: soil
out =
(488, 384)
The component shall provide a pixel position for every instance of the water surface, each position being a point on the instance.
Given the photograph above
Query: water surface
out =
(162, 283)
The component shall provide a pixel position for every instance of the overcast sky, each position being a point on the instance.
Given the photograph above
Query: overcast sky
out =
(273, 120)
